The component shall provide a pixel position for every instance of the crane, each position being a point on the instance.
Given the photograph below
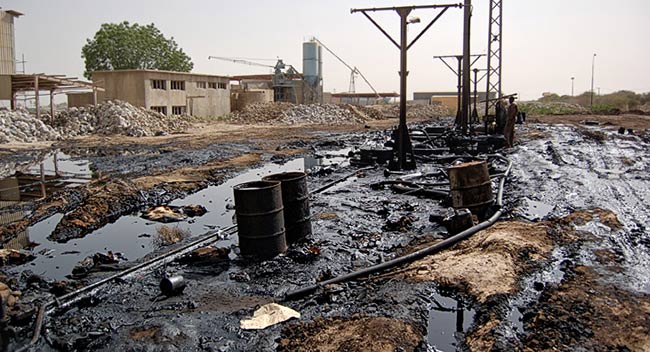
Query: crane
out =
(278, 67)
(353, 70)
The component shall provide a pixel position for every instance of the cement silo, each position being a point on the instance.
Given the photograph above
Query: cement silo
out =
(7, 46)
(312, 66)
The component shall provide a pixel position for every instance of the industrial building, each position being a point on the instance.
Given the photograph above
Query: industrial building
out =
(167, 92)
(7, 42)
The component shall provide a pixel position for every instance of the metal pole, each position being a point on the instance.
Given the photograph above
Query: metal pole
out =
(402, 132)
(460, 86)
(52, 105)
(474, 112)
(467, 7)
(38, 103)
(572, 79)
(593, 63)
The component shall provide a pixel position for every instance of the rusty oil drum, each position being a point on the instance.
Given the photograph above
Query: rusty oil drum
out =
(295, 197)
(260, 219)
(471, 187)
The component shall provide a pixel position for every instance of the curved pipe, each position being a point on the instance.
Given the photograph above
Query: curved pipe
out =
(415, 255)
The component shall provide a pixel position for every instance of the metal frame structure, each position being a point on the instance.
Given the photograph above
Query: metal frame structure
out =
(52, 83)
(458, 73)
(405, 159)
(494, 59)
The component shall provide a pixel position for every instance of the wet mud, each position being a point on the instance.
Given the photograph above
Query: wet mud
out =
(566, 268)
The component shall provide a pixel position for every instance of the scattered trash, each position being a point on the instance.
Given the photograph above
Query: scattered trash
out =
(170, 213)
(401, 223)
(205, 255)
(97, 262)
(268, 315)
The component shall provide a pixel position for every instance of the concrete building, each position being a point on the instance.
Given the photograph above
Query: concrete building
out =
(167, 92)
(7, 42)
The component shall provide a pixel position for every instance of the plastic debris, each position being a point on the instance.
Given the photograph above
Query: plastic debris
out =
(268, 315)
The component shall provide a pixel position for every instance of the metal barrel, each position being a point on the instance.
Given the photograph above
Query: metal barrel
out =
(295, 197)
(260, 218)
(172, 286)
(471, 187)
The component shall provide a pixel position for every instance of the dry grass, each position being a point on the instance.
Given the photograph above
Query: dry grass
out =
(168, 235)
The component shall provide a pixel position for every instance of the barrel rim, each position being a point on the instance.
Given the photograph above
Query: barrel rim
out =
(468, 163)
(262, 184)
(285, 176)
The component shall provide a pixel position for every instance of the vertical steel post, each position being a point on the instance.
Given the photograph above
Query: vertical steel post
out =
(593, 63)
(402, 130)
(572, 79)
(460, 87)
(51, 105)
(37, 100)
(467, 7)
(474, 112)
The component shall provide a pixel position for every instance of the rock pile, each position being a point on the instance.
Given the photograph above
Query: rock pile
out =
(260, 113)
(112, 117)
(20, 126)
(289, 114)
(319, 113)
(115, 117)
(412, 110)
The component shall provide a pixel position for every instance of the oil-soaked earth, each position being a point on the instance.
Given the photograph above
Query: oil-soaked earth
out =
(566, 269)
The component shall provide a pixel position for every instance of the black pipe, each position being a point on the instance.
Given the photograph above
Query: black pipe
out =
(415, 255)
(73, 297)
(337, 181)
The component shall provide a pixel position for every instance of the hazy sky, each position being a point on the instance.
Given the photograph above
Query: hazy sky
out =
(545, 42)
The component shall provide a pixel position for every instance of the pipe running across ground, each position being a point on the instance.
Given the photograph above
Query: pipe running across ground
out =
(418, 254)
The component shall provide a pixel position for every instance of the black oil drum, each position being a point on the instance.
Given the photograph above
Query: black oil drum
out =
(295, 197)
(260, 218)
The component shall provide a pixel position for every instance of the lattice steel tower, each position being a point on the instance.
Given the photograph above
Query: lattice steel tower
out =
(494, 62)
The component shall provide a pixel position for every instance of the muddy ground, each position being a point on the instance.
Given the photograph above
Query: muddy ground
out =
(565, 269)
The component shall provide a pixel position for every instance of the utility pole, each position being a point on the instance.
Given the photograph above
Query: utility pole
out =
(593, 63)
(467, 7)
(403, 140)
(572, 79)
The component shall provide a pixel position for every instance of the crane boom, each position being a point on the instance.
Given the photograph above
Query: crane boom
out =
(353, 70)
(239, 61)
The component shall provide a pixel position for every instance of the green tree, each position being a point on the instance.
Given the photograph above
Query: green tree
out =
(123, 46)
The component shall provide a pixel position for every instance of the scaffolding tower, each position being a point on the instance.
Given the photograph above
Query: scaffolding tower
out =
(494, 63)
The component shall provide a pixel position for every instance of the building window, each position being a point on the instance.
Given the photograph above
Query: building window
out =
(178, 110)
(160, 109)
(159, 84)
(222, 85)
(201, 84)
(212, 85)
(177, 85)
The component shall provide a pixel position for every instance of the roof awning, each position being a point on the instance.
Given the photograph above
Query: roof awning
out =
(27, 82)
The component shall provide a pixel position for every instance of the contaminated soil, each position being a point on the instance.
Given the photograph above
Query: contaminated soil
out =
(565, 269)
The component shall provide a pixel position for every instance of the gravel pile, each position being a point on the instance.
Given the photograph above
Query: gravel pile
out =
(112, 117)
(289, 114)
(320, 113)
(412, 110)
(260, 113)
(22, 127)
(115, 117)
